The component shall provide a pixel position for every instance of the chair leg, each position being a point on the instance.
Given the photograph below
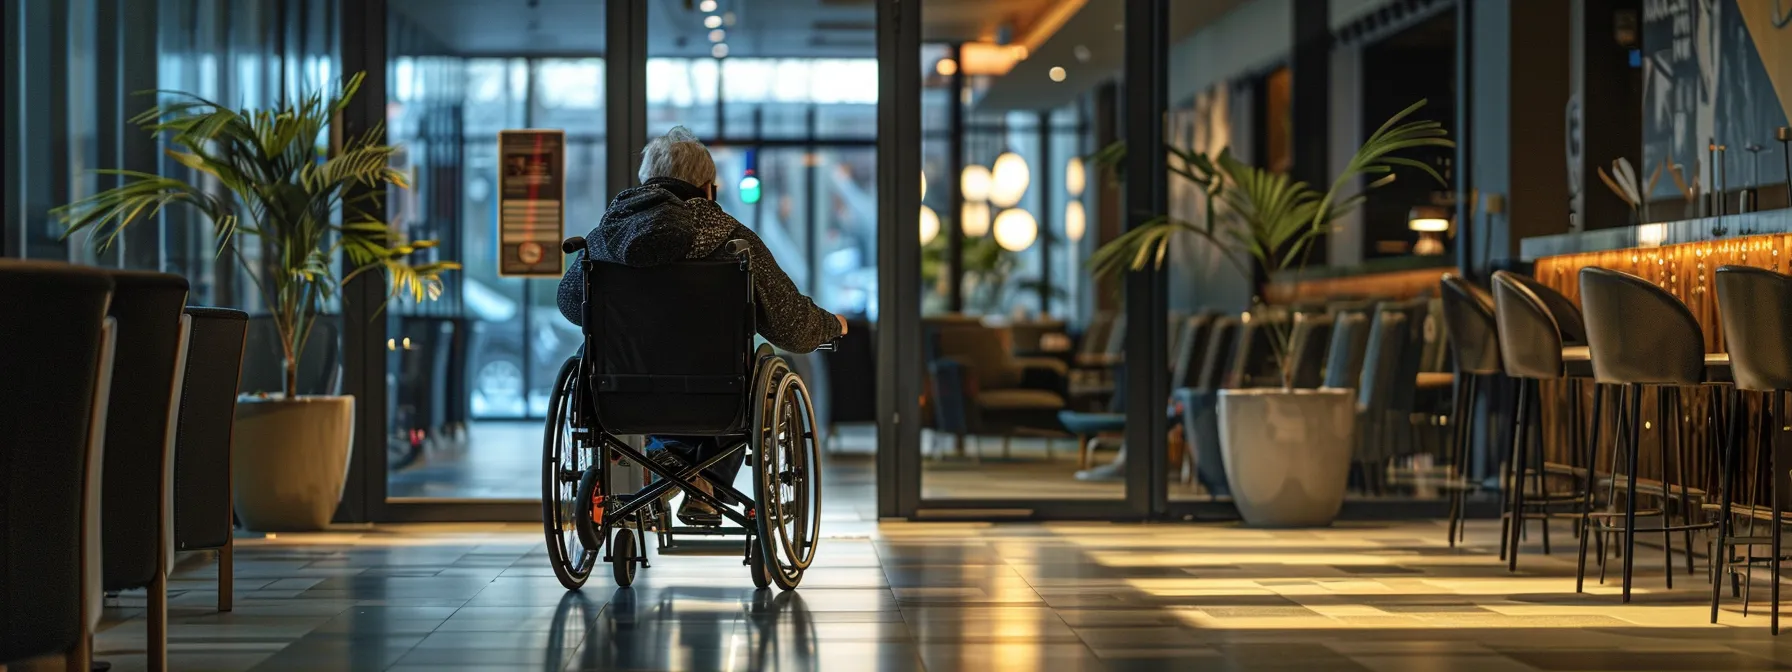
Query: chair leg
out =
(1633, 443)
(157, 652)
(1458, 426)
(1512, 476)
(1720, 554)
(1521, 435)
(79, 658)
(1776, 463)
(1535, 450)
(1667, 489)
(227, 575)
(1589, 483)
(1007, 444)
(1082, 452)
(1681, 441)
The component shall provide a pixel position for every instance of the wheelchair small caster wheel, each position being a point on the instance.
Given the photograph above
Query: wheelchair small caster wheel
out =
(756, 564)
(622, 554)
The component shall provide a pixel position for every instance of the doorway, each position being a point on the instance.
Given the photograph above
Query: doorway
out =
(466, 378)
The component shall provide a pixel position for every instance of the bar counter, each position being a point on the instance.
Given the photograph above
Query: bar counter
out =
(1681, 257)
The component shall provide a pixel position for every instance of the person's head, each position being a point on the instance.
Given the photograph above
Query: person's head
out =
(678, 154)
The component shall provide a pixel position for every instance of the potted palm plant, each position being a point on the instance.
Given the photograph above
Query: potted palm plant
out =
(1286, 451)
(308, 207)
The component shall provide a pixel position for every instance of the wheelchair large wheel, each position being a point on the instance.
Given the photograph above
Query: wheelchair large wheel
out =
(566, 461)
(787, 475)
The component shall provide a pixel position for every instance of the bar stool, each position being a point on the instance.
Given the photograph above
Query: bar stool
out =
(1668, 354)
(1474, 343)
(1755, 306)
(1539, 333)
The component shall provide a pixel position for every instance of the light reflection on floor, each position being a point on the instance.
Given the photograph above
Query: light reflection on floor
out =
(945, 596)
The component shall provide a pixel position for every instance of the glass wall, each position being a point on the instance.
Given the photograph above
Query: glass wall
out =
(77, 70)
(1015, 357)
(469, 375)
(78, 75)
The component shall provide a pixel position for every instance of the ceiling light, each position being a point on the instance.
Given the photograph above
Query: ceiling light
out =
(728, 19)
(1057, 73)
(707, 5)
(946, 67)
(1082, 54)
(930, 225)
(1075, 180)
(1016, 229)
(712, 21)
(720, 50)
(1009, 180)
(718, 35)
(923, 185)
(1075, 220)
(974, 184)
(975, 217)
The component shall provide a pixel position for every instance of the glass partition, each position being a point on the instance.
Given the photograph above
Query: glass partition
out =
(469, 375)
(1020, 393)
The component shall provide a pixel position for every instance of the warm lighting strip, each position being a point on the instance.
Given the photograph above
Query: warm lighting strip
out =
(1049, 22)
(1686, 270)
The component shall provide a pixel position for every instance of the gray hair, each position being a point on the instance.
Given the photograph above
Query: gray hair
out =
(678, 154)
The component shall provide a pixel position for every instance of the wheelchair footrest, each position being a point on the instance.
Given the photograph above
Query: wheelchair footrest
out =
(730, 531)
(711, 546)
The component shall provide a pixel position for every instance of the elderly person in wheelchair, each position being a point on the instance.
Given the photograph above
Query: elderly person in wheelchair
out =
(673, 221)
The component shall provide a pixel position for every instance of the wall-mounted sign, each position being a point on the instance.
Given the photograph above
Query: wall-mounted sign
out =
(531, 202)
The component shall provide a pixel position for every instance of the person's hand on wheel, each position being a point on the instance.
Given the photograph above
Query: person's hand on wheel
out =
(842, 324)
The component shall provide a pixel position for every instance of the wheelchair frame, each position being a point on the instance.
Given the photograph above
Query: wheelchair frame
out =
(782, 421)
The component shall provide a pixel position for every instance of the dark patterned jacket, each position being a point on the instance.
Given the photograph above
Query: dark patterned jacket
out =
(668, 220)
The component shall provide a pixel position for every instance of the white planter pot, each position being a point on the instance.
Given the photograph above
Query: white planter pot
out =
(1287, 453)
(289, 460)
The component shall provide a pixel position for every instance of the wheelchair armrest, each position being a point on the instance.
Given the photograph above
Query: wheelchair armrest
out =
(573, 244)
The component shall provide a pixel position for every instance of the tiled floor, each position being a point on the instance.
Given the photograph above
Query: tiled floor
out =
(1381, 597)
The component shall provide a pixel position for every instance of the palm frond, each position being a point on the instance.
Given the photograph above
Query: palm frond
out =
(282, 188)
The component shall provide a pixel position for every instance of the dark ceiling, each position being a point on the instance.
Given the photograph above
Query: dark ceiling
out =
(777, 28)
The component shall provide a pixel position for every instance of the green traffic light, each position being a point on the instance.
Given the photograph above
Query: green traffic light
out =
(749, 189)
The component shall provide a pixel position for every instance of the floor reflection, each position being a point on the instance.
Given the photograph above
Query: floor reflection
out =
(1382, 597)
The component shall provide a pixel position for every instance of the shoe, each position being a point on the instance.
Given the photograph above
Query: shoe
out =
(1112, 471)
(697, 514)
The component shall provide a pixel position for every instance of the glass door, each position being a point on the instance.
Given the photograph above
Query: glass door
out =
(1020, 350)
(465, 379)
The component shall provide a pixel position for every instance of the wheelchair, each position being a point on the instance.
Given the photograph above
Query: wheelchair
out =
(669, 351)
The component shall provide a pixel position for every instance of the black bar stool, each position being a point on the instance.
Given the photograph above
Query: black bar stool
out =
(1474, 343)
(1755, 306)
(55, 367)
(1641, 336)
(1540, 332)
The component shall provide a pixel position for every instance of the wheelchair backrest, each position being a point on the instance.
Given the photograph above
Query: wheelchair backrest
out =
(668, 349)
